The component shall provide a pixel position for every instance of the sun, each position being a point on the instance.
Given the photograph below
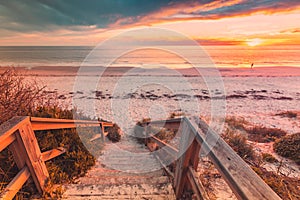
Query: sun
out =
(254, 42)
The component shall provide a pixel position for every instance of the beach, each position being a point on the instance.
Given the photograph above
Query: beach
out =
(256, 94)
(209, 90)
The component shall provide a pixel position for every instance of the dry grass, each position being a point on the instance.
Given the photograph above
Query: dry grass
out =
(289, 147)
(238, 143)
(18, 96)
(114, 133)
(288, 114)
(256, 133)
(269, 158)
(237, 123)
(263, 134)
(287, 188)
(21, 97)
(176, 114)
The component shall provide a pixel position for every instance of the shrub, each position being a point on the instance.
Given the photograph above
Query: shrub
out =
(269, 158)
(176, 114)
(22, 97)
(289, 114)
(237, 123)
(263, 134)
(18, 96)
(62, 169)
(239, 144)
(289, 147)
(77, 159)
(114, 133)
(285, 187)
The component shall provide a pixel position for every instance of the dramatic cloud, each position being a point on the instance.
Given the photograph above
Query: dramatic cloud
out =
(76, 19)
(45, 15)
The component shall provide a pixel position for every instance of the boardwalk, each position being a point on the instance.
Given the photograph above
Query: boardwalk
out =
(127, 170)
(122, 172)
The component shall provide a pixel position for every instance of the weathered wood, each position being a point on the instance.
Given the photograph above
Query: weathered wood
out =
(185, 153)
(34, 162)
(243, 181)
(164, 166)
(48, 155)
(7, 141)
(168, 124)
(49, 124)
(195, 157)
(196, 185)
(18, 151)
(168, 148)
(102, 132)
(17, 134)
(16, 184)
(107, 124)
(7, 130)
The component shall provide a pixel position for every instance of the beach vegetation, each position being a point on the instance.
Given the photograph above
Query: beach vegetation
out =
(286, 187)
(268, 158)
(176, 114)
(23, 97)
(264, 134)
(237, 122)
(114, 133)
(289, 147)
(288, 114)
(238, 143)
(18, 95)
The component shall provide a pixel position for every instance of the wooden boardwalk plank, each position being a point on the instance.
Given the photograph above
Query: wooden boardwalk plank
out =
(16, 184)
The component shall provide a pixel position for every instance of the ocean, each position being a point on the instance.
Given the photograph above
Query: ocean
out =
(222, 56)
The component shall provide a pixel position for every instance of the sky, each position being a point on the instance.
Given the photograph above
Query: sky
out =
(88, 22)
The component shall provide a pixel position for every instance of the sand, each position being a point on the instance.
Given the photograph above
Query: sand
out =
(256, 94)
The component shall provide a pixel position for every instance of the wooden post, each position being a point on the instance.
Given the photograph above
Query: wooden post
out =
(185, 152)
(18, 151)
(16, 184)
(195, 154)
(102, 132)
(146, 135)
(28, 145)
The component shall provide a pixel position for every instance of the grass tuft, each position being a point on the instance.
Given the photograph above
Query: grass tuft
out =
(263, 134)
(288, 114)
(238, 143)
(289, 147)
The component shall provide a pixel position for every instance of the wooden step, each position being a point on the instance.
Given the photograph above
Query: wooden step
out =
(124, 191)
(125, 170)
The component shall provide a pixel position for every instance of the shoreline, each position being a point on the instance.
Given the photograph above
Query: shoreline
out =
(275, 71)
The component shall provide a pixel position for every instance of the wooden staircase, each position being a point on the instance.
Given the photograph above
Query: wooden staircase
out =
(126, 170)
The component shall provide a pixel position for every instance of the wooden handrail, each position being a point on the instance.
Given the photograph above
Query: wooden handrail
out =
(49, 123)
(196, 134)
(7, 129)
(18, 135)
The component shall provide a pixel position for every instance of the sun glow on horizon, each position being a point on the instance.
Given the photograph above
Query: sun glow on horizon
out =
(254, 42)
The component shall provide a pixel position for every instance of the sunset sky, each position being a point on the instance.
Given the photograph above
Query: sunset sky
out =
(76, 22)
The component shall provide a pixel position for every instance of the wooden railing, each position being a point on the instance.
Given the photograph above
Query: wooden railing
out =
(195, 137)
(18, 135)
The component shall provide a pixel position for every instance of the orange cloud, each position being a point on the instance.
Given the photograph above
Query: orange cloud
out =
(211, 11)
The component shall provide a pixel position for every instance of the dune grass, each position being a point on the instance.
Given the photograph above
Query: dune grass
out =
(256, 133)
(289, 147)
(23, 97)
(288, 114)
